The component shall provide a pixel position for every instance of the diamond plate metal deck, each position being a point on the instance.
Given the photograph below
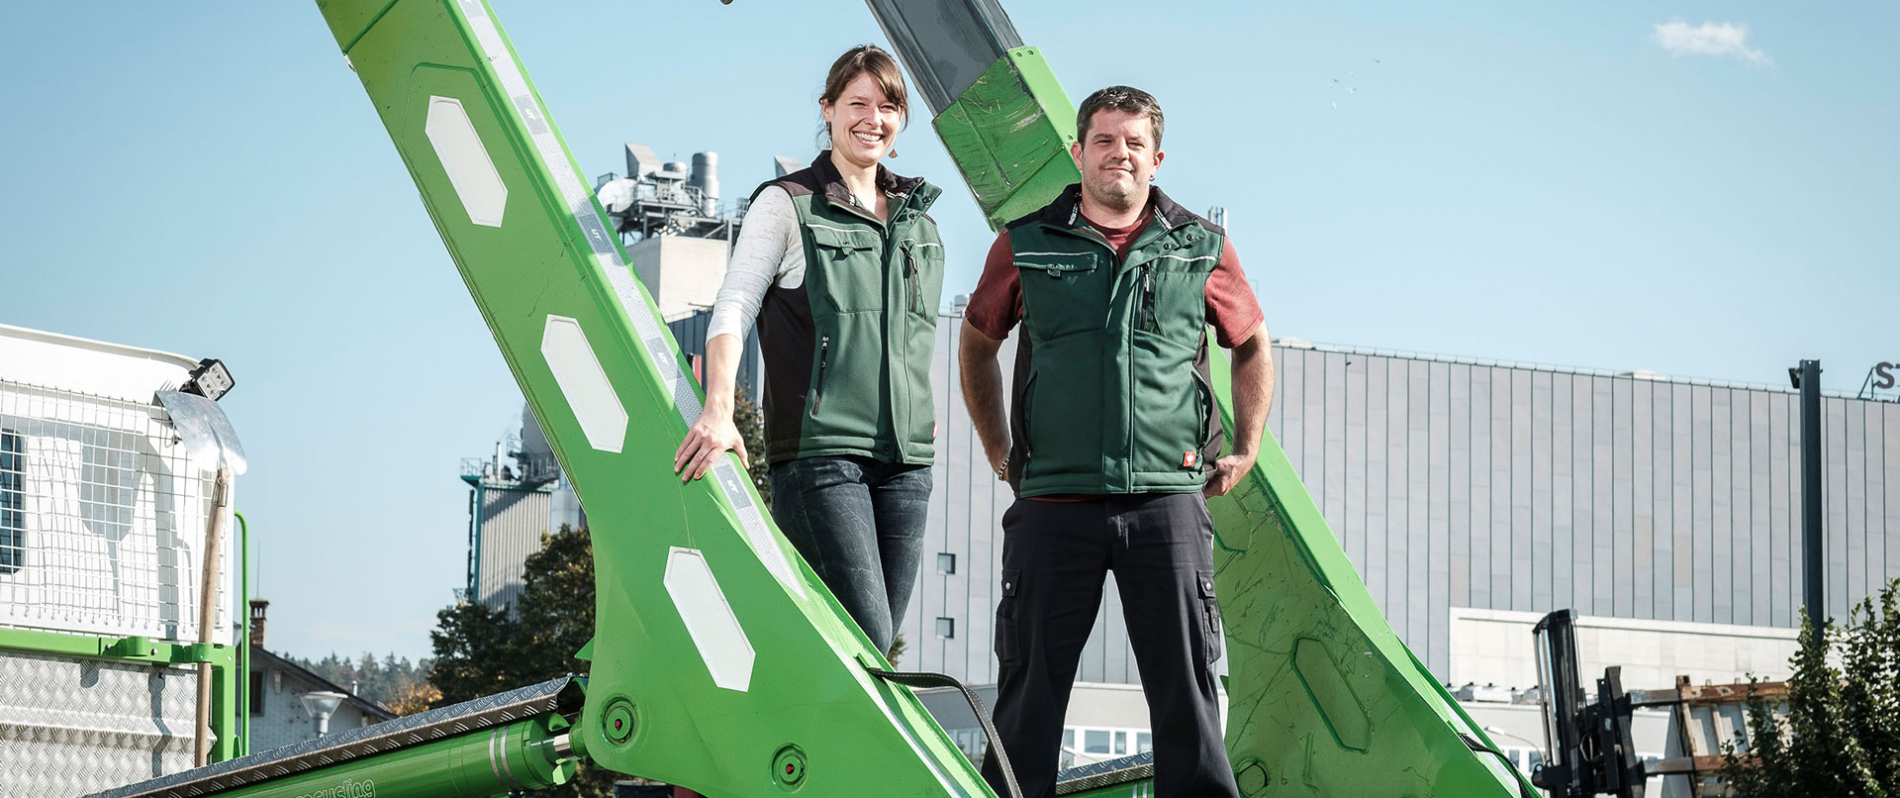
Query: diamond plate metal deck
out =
(559, 695)
(1103, 774)
(70, 726)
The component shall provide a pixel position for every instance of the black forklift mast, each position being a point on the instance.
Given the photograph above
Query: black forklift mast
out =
(1589, 747)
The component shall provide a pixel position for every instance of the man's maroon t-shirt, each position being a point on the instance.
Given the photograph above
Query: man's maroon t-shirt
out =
(997, 303)
(996, 306)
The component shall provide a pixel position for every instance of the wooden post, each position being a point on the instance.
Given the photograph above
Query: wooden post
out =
(208, 611)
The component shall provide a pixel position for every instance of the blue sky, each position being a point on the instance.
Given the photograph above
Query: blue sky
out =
(1560, 183)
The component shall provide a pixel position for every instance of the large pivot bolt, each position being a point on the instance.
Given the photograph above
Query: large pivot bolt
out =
(788, 768)
(617, 722)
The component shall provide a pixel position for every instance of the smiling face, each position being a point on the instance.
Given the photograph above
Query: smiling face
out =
(1118, 157)
(863, 121)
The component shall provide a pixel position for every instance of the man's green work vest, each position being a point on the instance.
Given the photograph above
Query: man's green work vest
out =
(847, 354)
(1111, 387)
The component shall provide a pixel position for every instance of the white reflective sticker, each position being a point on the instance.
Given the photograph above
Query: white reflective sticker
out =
(584, 383)
(470, 169)
(752, 522)
(709, 619)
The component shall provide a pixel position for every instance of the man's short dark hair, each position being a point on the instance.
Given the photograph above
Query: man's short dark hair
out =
(1127, 99)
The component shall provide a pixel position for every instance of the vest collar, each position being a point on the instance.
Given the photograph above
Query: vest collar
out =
(1066, 211)
(1065, 216)
(919, 193)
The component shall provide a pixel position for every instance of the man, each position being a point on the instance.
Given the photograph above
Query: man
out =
(1111, 442)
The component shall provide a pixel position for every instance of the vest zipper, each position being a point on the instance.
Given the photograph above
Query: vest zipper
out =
(824, 356)
(1148, 321)
(1029, 403)
(910, 279)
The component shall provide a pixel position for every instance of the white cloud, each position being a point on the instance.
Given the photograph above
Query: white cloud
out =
(1709, 38)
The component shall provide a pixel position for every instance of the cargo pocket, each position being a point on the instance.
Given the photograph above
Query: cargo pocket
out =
(849, 272)
(1008, 648)
(1210, 616)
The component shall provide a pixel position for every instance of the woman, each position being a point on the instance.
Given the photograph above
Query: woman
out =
(843, 270)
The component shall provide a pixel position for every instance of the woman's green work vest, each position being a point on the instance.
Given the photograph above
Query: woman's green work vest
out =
(847, 354)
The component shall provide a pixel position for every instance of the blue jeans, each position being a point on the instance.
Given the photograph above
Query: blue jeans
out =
(860, 525)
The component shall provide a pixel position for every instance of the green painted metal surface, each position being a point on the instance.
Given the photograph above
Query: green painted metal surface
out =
(1324, 700)
(722, 658)
(1009, 134)
(519, 756)
(241, 671)
(133, 649)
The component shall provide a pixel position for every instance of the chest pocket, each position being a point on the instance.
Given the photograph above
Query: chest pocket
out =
(850, 270)
(923, 277)
(1180, 294)
(1063, 293)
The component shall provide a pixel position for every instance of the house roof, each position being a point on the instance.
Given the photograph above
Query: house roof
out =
(364, 705)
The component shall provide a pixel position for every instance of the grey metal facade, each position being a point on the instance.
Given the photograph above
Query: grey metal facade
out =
(1461, 484)
(1465, 484)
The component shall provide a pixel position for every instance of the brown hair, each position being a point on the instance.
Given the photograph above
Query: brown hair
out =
(1126, 99)
(868, 59)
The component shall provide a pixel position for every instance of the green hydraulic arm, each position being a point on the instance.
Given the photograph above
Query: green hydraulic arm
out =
(1324, 699)
(720, 662)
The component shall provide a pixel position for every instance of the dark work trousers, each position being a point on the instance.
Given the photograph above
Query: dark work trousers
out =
(1055, 555)
(859, 523)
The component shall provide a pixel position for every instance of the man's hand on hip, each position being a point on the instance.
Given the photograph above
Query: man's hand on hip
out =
(1227, 473)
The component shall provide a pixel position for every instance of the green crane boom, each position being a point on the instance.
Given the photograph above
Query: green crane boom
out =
(720, 662)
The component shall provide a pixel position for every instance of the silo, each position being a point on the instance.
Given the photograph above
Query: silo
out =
(705, 177)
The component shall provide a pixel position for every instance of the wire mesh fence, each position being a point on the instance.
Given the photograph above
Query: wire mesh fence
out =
(103, 517)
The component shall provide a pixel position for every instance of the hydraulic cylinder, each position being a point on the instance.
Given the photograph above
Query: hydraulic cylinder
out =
(525, 755)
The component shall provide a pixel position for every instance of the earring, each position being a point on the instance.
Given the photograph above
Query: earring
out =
(892, 153)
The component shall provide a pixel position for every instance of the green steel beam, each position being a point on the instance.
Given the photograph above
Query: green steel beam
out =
(1009, 134)
(721, 663)
(242, 672)
(1323, 698)
(127, 649)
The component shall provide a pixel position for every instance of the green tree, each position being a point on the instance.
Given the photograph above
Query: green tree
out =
(479, 651)
(1840, 736)
(751, 423)
(897, 650)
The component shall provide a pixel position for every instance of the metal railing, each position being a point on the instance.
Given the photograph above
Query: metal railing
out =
(102, 519)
